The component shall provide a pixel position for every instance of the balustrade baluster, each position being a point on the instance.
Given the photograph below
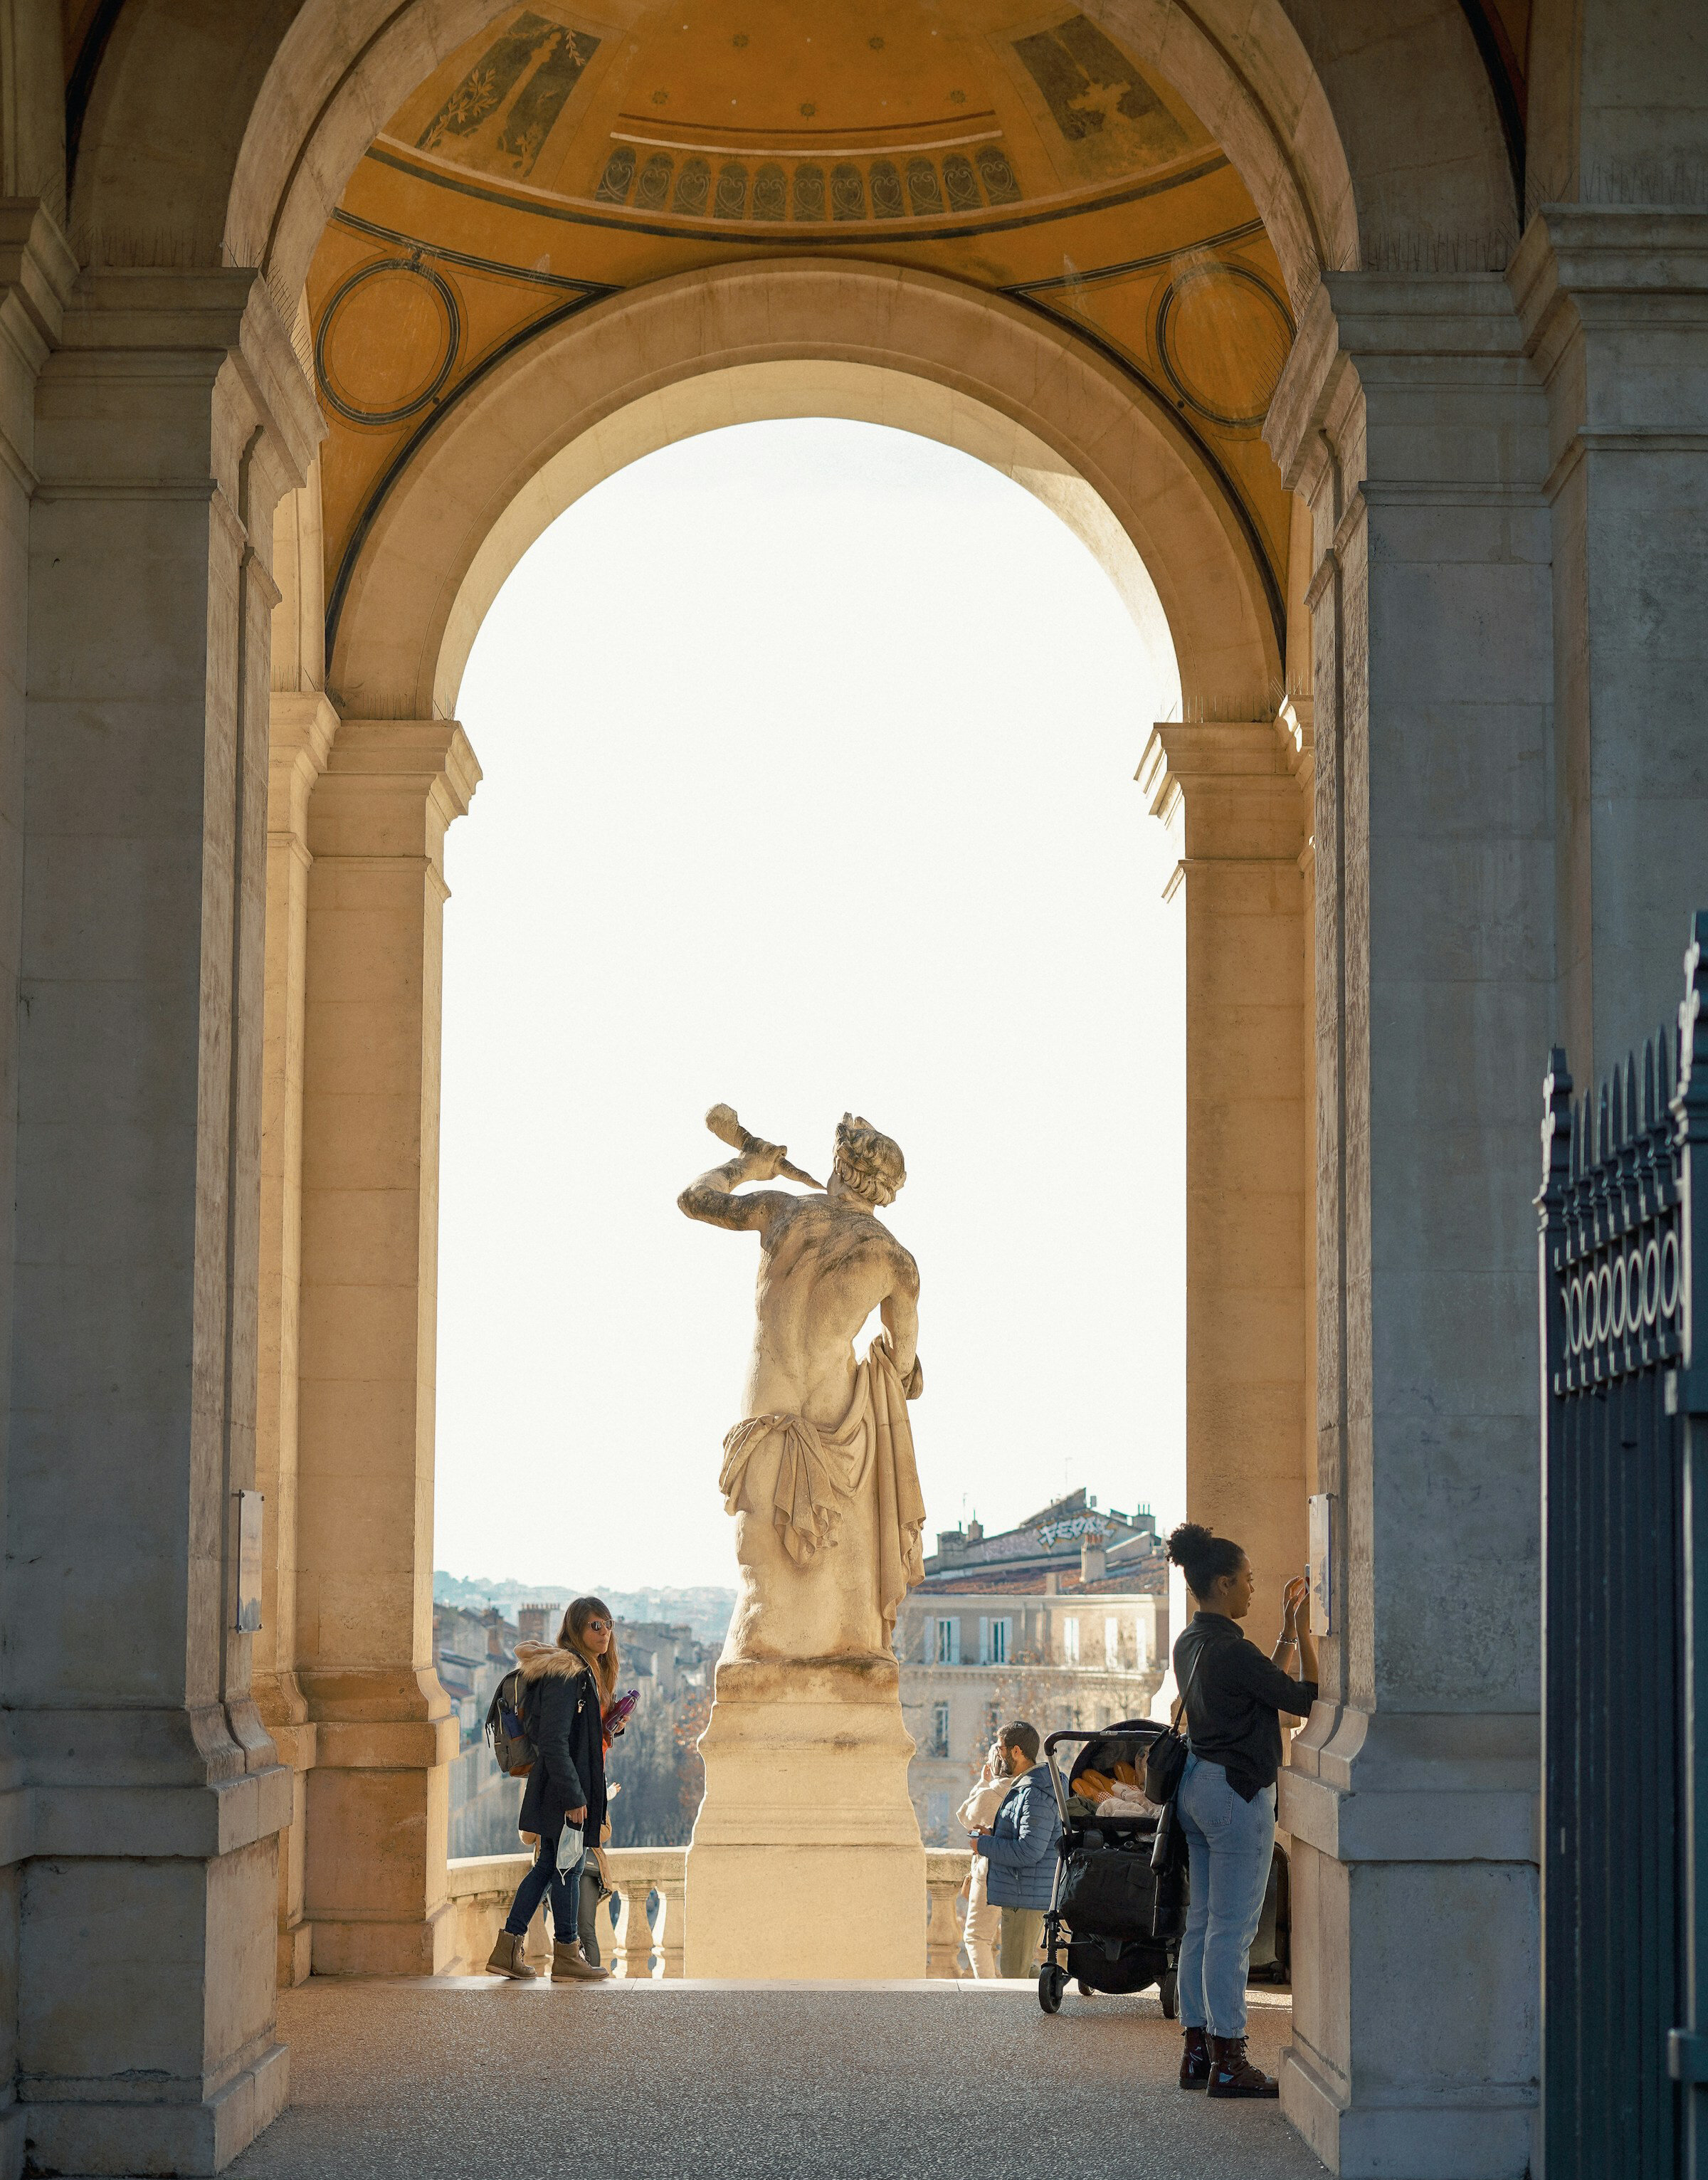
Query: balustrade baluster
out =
(673, 1912)
(631, 1956)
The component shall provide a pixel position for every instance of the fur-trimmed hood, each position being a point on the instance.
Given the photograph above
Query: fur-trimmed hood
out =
(537, 1660)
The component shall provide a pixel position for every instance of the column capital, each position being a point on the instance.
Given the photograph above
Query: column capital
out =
(1613, 301)
(1242, 785)
(1187, 754)
(1397, 373)
(301, 727)
(391, 787)
(1639, 263)
(170, 328)
(37, 272)
(38, 268)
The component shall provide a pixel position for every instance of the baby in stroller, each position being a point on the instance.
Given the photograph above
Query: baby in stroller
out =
(1101, 1927)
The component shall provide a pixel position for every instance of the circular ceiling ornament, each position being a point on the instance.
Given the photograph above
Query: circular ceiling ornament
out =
(387, 341)
(1223, 334)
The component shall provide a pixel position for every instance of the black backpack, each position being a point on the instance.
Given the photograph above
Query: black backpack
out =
(507, 1727)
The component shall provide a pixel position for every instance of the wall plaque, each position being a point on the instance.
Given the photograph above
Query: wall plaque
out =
(1321, 1568)
(250, 1505)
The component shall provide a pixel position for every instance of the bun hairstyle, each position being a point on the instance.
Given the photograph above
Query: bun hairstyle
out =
(1203, 1558)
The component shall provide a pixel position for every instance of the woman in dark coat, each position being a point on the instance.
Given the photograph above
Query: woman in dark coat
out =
(568, 1686)
(1234, 1699)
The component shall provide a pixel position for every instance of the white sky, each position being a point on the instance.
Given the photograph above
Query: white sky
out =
(808, 753)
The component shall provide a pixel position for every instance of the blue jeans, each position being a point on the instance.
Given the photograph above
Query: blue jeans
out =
(1229, 1843)
(565, 1890)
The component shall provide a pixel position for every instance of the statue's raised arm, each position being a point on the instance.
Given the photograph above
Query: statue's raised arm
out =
(712, 1197)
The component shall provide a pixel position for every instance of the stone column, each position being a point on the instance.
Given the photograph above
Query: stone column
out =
(1243, 822)
(303, 724)
(36, 274)
(1409, 418)
(377, 1797)
(169, 421)
(1614, 302)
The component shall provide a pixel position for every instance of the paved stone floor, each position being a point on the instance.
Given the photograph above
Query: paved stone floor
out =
(446, 2080)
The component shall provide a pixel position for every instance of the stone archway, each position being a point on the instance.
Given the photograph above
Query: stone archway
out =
(359, 772)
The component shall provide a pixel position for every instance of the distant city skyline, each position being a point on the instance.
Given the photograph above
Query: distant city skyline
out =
(889, 857)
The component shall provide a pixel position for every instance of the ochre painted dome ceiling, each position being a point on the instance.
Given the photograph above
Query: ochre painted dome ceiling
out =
(564, 156)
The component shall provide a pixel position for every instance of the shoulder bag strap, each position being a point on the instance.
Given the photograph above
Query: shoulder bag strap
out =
(1179, 1708)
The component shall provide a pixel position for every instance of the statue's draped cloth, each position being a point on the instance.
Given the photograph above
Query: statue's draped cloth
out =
(819, 1471)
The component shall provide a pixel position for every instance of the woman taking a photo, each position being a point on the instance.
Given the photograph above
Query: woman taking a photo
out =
(569, 1684)
(1233, 1697)
(977, 1813)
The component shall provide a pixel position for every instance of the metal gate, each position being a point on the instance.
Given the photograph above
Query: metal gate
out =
(1624, 1332)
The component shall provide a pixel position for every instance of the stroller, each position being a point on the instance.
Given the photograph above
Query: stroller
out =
(1102, 1905)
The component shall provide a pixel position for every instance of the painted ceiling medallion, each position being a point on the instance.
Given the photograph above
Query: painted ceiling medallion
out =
(1223, 335)
(387, 341)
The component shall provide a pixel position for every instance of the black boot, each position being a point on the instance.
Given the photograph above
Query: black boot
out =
(1232, 2074)
(1194, 2060)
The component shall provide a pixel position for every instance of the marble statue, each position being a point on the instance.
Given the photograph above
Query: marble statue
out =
(820, 1472)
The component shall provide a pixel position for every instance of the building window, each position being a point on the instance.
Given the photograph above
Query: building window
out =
(948, 1643)
(940, 1729)
(1070, 1641)
(1111, 1641)
(937, 1820)
(1001, 1642)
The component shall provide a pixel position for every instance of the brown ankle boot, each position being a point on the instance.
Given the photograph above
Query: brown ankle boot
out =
(1232, 2074)
(1194, 2059)
(570, 1964)
(507, 1958)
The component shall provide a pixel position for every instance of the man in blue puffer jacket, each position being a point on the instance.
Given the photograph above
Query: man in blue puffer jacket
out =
(1020, 1848)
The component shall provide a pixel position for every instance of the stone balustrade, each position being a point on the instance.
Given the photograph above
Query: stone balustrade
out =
(481, 1887)
(946, 1870)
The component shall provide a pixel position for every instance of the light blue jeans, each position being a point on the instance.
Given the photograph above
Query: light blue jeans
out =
(1229, 1843)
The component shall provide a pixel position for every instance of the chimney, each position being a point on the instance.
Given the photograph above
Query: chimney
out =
(1092, 1560)
(952, 1545)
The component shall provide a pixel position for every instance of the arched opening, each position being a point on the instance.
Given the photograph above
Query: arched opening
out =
(1128, 401)
(807, 757)
(402, 624)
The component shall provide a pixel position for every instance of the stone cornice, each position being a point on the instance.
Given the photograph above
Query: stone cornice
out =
(37, 272)
(1613, 300)
(1430, 342)
(1645, 263)
(302, 727)
(1219, 752)
(168, 325)
(390, 789)
(435, 753)
(38, 269)
(1310, 380)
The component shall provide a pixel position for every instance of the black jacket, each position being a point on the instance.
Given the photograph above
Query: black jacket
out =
(561, 1709)
(1233, 1704)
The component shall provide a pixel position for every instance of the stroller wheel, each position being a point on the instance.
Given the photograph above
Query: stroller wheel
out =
(1169, 1991)
(1052, 1981)
(1085, 1990)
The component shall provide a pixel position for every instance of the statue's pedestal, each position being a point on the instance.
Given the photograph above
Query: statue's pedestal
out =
(805, 1860)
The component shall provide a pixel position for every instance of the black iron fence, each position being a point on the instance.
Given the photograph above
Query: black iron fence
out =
(1624, 1333)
